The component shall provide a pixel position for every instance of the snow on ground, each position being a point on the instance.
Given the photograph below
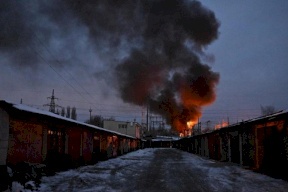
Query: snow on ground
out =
(103, 176)
(230, 177)
(161, 170)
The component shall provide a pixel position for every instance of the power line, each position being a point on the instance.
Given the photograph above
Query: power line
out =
(52, 55)
(46, 62)
(205, 110)
(39, 55)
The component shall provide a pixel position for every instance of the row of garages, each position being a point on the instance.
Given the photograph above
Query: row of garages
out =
(39, 137)
(260, 144)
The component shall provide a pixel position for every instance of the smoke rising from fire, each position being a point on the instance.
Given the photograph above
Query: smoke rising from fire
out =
(154, 47)
(166, 71)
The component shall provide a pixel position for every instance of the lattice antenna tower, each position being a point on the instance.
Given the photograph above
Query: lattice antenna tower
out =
(52, 105)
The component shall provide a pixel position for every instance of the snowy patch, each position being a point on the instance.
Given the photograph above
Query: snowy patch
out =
(230, 177)
(159, 170)
(103, 176)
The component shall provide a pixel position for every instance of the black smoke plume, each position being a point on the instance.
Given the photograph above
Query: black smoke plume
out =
(154, 47)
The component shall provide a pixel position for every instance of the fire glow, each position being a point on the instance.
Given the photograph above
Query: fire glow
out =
(190, 124)
(221, 125)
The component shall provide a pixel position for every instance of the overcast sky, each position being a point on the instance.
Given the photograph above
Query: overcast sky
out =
(250, 55)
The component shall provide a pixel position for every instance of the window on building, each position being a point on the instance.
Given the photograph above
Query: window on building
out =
(122, 126)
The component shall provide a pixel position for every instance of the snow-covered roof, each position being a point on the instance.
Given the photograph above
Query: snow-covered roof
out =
(269, 117)
(259, 118)
(29, 109)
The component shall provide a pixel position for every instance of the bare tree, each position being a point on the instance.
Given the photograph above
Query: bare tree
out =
(96, 120)
(110, 118)
(68, 112)
(73, 113)
(267, 110)
(63, 112)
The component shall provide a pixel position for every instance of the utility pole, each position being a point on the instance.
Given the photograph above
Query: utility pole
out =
(198, 126)
(208, 127)
(228, 123)
(147, 120)
(21, 101)
(151, 122)
(142, 116)
(52, 105)
(90, 111)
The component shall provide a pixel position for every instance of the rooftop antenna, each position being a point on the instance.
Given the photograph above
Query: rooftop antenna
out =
(90, 111)
(147, 115)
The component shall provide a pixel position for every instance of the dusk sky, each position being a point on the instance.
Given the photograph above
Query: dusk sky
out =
(250, 55)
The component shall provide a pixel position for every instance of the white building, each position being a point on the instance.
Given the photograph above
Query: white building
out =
(129, 128)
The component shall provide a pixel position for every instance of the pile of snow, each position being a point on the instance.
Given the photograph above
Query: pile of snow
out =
(30, 186)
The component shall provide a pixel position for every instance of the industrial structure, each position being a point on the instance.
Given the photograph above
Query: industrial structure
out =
(133, 129)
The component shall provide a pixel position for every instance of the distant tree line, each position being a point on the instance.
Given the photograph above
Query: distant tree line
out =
(267, 110)
(70, 112)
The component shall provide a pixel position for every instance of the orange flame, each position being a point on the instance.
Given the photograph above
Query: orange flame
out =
(190, 124)
(221, 125)
(193, 97)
